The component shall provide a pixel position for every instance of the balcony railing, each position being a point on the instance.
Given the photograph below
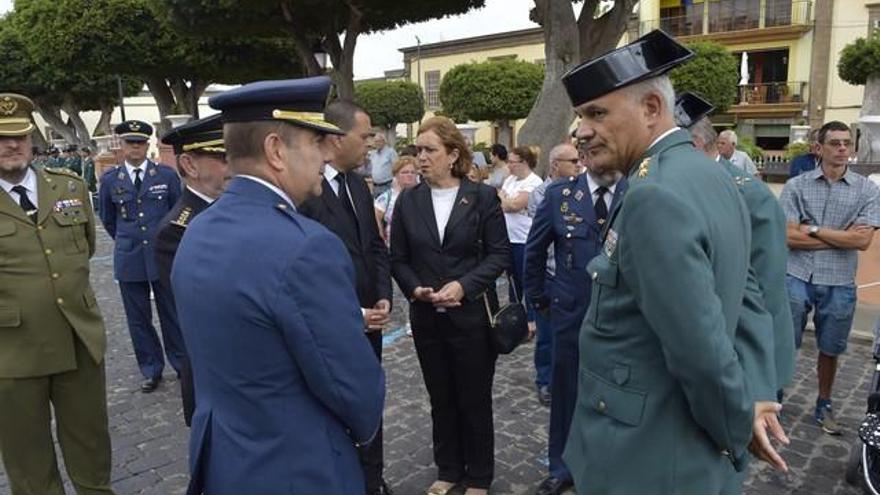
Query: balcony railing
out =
(772, 93)
(724, 16)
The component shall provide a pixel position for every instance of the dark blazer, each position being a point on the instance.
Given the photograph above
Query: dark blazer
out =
(475, 248)
(365, 246)
(171, 230)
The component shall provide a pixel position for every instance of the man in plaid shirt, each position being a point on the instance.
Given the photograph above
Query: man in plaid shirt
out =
(832, 213)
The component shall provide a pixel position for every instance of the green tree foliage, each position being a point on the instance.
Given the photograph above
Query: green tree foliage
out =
(796, 148)
(390, 102)
(311, 25)
(860, 60)
(494, 90)
(713, 74)
(55, 87)
(135, 38)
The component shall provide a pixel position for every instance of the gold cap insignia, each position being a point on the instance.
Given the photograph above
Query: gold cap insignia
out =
(8, 106)
(134, 126)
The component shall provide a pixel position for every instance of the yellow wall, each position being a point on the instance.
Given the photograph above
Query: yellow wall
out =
(850, 22)
(529, 53)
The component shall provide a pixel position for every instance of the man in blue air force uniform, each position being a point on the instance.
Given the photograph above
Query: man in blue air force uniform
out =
(287, 385)
(133, 197)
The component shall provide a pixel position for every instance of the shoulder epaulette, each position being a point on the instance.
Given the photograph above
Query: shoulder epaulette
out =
(62, 171)
(184, 217)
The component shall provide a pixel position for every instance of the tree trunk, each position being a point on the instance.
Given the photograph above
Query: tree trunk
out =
(505, 133)
(102, 128)
(52, 115)
(551, 115)
(869, 139)
(82, 132)
(164, 97)
(391, 135)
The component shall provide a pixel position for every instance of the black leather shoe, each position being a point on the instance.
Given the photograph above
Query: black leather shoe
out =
(150, 385)
(553, 486)
(544, 395)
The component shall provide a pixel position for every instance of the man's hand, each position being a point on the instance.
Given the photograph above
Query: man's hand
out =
(424, 294)
(767, 421)
(449, 296)
(376, 318)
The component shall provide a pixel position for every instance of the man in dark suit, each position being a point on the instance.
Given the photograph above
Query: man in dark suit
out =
(201, 162)
(287, 387)
(346, 208)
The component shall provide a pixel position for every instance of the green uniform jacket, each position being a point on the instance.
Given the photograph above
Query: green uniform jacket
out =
(45, 298)
(663, 404)
(769, 253)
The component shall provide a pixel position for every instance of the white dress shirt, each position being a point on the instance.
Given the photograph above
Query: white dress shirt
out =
(131, 168)
(609, 193)
(330, 174)
(29, 182)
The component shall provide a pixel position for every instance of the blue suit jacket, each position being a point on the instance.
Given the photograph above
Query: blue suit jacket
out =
(286, 381)
(131, 217)
(574, 235)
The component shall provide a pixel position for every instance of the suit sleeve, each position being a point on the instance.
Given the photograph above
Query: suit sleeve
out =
(671, 277)
(108, 209)
(379, 251)
(754, 343)
(540, 238)
(401, 256)
(318, 313)
(90, 214)
(496, 247)
(167, 240)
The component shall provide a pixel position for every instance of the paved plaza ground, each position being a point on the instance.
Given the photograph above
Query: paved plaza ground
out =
(150, 439)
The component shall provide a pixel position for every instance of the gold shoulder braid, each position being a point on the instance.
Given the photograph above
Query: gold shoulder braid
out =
(644, 167)
(183, 218)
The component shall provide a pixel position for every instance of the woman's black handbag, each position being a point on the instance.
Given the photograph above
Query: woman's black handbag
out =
(509, 325)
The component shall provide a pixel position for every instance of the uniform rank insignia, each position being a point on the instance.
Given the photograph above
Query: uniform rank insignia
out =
(183, 218)
(71, 186)
(643, 168)
(610, 243)
(152, 172)
(566, 192)
(578, 195)
(120, 175)
(64, 204)
(563, 208)
(741, 181)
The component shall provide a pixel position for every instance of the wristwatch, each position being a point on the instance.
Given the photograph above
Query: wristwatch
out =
(813, 231)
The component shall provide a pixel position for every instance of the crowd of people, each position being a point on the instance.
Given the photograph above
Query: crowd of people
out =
(667, 289)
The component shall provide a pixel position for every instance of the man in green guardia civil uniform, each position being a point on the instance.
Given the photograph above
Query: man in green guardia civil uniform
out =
(51, 332)
(663, 400)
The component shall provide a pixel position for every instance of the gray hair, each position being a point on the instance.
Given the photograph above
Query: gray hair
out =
(729, 135)
(704, 131)
(557, 150)
(661, 86)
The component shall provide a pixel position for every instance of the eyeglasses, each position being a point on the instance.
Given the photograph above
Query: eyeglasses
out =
(837, 143)
(569, 160)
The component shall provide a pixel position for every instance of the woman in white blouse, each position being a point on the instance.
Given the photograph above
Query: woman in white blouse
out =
(448, 245)
(514, 195)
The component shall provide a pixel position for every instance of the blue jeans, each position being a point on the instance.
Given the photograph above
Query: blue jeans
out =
(835, 307)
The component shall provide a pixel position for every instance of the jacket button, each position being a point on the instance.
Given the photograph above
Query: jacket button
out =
(595, 275)
(141, 214)
(568, 235)
(601, 406)
(139, 201)
(146, 242)
(55, 275)
(48, 251)
(40, 227)
(725, 453)
(144, 228)
(60, 301)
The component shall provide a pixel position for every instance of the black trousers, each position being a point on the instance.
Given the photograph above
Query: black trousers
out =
(371, 454)
(458, 366)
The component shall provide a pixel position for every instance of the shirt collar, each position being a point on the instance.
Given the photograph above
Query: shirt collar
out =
(594, 186)
(204, 197)
(817, 173)
(271, 186)
(29, 182)
(330, 172)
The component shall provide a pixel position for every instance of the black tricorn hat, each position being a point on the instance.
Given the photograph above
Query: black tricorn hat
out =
(203, 135)
(652, 55)
(690, 108)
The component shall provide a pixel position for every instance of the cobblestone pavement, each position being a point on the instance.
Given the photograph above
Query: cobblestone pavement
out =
(150, 440)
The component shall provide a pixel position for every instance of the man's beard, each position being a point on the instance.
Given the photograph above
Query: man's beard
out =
(605, 179)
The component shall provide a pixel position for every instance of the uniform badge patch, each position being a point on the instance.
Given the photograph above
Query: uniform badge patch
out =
(120, 175)
(578, 195)
(63, 204)
(152, 172)
(183, 218)
(644, 167)
(566, 192)
(610, 243)
(564, 207)
(71, 186)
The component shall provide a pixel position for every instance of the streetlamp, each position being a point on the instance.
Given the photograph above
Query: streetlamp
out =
(419, 61)
(321, 56)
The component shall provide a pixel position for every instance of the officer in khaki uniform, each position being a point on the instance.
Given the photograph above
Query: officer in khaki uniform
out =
(51, 331)
(663, 400)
